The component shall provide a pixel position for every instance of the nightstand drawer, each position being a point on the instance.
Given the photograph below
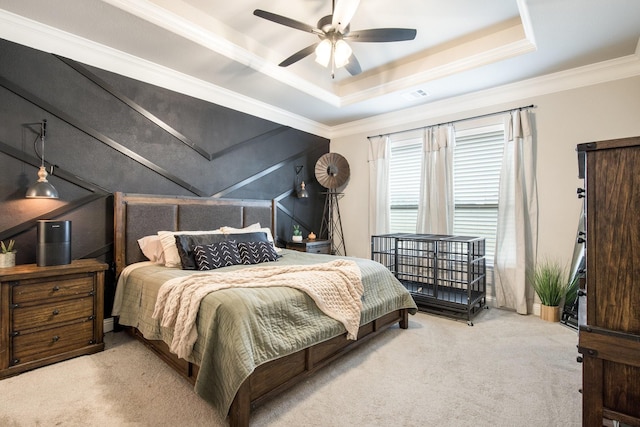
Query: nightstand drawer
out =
(50, 342)
(45, 315)
(311, 246)
(318, 249)
(60, 287)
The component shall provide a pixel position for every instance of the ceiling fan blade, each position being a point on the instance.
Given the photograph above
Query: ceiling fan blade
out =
(353, 66)
(302, 53)
(288, 22)
(343, 13)
(382, 35)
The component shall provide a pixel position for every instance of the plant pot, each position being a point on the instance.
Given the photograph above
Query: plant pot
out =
(296, 238)
(550, 313)
(7, 259)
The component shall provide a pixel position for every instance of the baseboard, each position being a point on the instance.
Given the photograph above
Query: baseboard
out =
(108, 324)
(491, 301)
(536, 309)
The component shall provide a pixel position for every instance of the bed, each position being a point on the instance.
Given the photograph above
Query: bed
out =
(252, 343)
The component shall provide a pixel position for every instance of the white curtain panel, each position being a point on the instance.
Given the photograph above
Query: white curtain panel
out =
(517, 231)
(379, 200)
(436, 205)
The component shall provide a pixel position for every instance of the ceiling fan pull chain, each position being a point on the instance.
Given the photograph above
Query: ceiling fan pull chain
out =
(333, 62)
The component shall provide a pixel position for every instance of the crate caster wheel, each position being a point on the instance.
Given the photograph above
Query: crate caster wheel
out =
(470, 323)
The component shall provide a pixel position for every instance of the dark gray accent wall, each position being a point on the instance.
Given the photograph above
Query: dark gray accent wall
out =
(108, 133)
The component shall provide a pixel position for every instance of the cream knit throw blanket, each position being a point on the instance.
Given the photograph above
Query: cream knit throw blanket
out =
(336, 287)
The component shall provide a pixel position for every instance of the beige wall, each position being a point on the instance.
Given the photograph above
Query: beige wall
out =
(562, 120)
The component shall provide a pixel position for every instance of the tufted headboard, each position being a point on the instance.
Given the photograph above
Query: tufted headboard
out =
(139, 215)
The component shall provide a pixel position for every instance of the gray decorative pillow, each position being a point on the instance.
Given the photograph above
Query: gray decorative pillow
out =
(217, 255)
(256, 252)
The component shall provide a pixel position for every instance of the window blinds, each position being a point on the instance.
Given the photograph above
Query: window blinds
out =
(477, 161)
(404, 185)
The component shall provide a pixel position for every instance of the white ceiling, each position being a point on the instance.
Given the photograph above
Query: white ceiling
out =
(220, 51)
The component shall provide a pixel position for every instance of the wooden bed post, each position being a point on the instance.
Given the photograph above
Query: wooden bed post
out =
(119, 217)
(404, 321)
(240, 410)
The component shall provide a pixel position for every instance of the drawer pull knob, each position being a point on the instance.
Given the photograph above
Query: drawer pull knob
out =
(56, 288)
(56, 312)
(55, 338)
(15, 333)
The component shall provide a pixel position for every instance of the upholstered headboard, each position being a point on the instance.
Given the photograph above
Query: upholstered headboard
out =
(139, 215)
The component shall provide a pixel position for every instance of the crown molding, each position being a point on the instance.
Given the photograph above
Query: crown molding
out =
(494, 47)
(601, 72)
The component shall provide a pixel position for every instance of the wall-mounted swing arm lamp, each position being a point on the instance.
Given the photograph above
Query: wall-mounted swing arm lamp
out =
(301, 191)
(42, 189)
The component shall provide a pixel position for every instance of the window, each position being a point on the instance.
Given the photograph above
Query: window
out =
(477, 160)
(476, 175)
(404, 184)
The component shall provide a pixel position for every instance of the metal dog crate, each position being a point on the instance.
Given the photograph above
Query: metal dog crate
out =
(444, 274)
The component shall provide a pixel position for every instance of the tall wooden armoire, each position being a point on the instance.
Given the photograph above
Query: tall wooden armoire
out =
(610, 338)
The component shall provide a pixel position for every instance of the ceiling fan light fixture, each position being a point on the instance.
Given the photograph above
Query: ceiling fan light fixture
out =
(323, 52)
(342, 53)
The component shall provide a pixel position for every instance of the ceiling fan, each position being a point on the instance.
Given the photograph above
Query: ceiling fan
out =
(334, 32)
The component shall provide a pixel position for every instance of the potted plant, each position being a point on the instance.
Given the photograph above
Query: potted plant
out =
(297, 234)
(8, 254)
(550, 282)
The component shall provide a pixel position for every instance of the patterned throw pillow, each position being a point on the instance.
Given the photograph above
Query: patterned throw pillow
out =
(256, 252)
(186, 242)
(216, 255)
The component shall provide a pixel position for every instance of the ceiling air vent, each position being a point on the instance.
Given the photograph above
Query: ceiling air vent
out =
(416, 94)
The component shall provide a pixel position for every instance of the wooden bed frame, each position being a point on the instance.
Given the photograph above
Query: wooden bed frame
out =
(186, 213)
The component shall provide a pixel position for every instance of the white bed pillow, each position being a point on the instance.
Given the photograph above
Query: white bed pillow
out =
(151, 247)
(247, 229)
(251, 229)
(168, 241)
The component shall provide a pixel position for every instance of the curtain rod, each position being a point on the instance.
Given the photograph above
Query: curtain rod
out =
(461, 120)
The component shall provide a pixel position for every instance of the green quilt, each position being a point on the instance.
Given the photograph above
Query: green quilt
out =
(239, 329)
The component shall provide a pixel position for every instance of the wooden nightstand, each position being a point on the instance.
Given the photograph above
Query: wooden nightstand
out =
(311, 246)
(50, 314)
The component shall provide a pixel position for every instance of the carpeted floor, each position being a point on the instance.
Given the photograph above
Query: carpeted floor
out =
(507, 370)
